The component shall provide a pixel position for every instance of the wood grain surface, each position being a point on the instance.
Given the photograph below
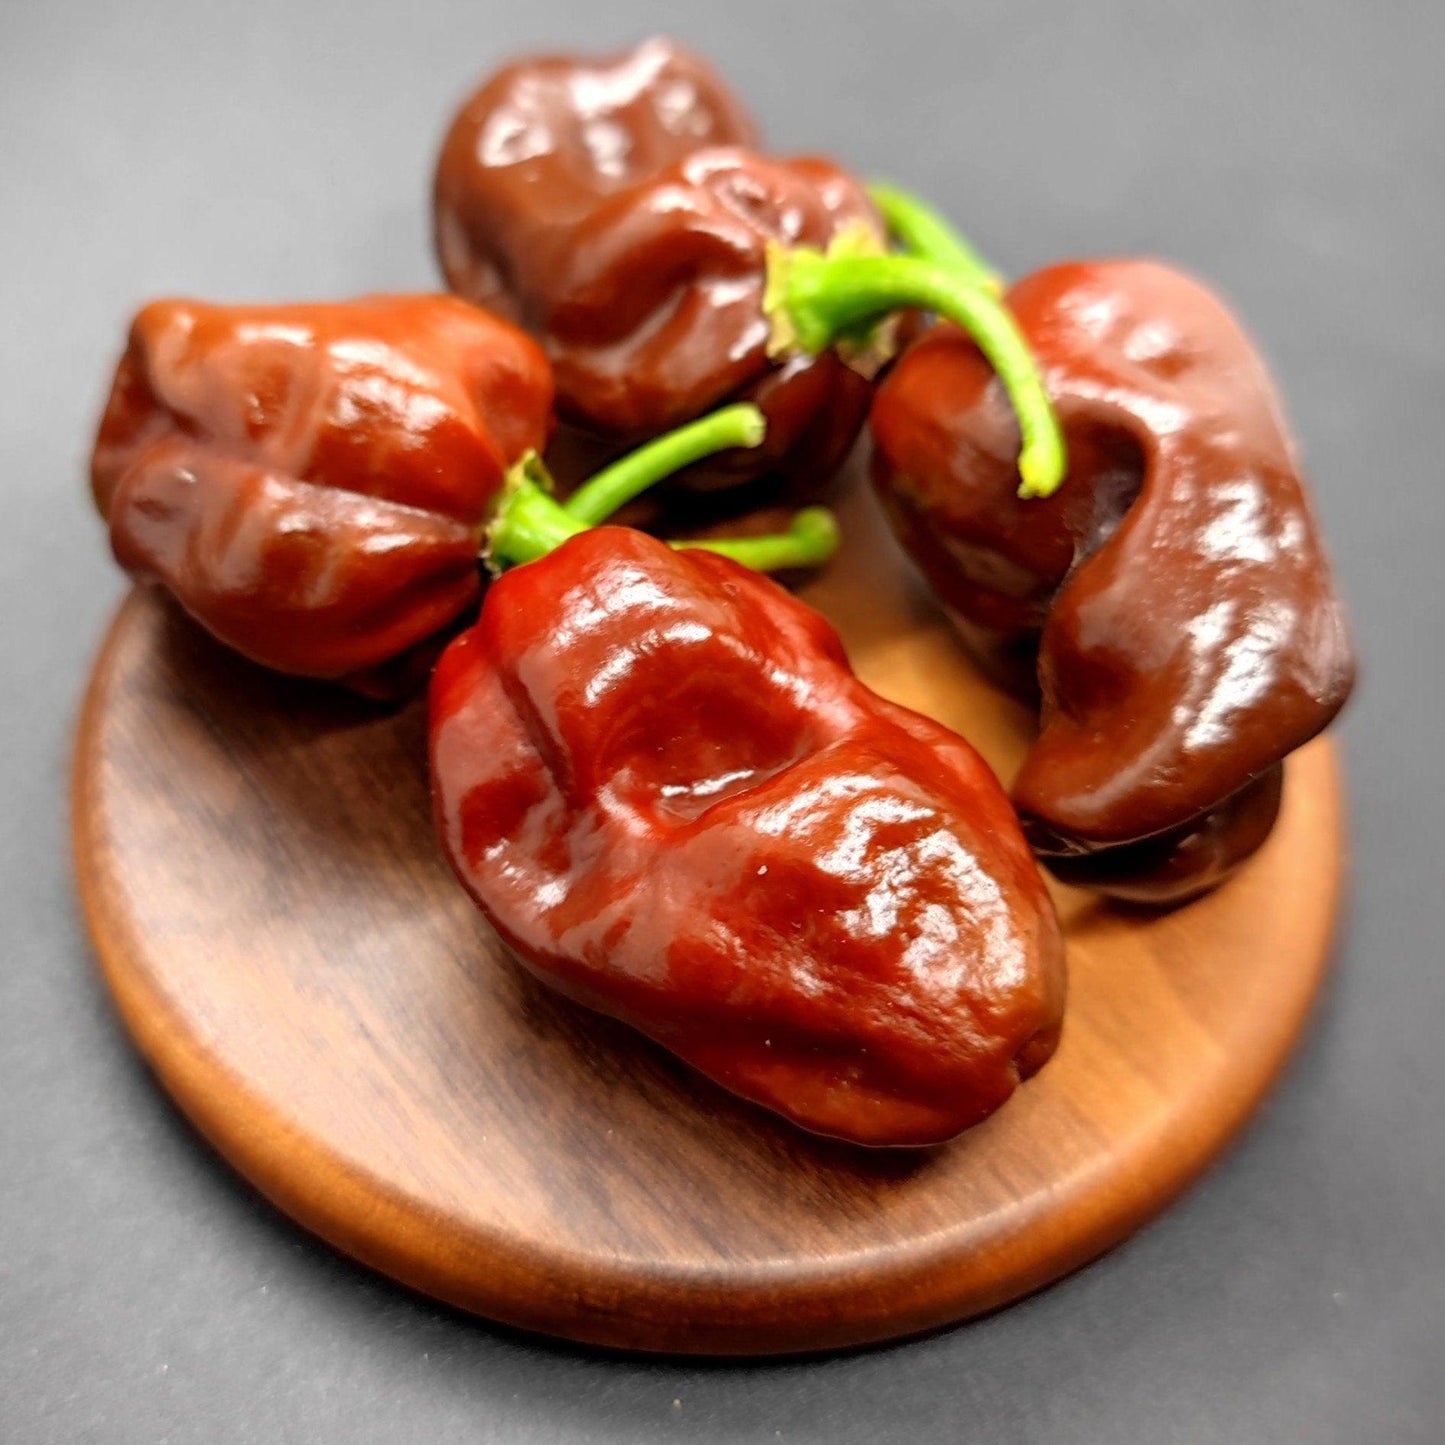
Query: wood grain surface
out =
(291, 954)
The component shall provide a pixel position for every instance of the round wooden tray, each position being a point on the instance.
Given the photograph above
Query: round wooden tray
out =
(290, 952)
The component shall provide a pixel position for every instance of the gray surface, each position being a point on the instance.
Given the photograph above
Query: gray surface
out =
(1298, 1294)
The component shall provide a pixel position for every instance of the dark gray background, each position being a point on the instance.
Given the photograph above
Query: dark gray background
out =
(269, 150)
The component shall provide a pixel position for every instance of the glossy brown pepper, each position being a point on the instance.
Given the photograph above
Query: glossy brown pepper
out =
(659, 778)
(617, 210)
(1188, 632)
(311, 481)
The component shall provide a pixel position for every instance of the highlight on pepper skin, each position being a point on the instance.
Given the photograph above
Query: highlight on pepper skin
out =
(661, 782)
(1174, 593)
(617, 207)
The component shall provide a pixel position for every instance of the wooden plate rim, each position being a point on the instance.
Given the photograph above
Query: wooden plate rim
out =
(857, 1299)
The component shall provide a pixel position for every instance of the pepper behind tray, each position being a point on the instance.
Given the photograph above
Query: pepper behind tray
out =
(616, 208)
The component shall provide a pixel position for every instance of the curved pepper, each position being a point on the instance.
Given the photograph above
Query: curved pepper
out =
(311, 481)
(660, 780)
(614, 207)
(1187, 632)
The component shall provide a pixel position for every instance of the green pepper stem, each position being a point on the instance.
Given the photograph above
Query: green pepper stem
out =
(811, 299)
(809, 542)
(924, 233)
(529, 521)
(742, 425)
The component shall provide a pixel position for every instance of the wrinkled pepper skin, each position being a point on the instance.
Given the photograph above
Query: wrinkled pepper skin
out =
(310, 481)
(617, 210)
(1187, 632)
(659, 778)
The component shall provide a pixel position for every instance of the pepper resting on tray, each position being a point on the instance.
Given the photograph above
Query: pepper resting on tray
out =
(658, 777)
(314, 483)
(1173, 595)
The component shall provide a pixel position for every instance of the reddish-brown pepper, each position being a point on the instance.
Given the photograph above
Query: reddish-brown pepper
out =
(658, 777)
(615, 208)
(1187, 632)
(311, 481)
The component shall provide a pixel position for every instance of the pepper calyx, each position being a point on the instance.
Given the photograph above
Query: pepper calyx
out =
(817, 298)
(794, 271)
(528, 521)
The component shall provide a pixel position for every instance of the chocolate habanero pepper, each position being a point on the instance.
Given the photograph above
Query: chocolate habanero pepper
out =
(314, 483)
(616, 208)
(657, 775)
(311, 481)
(1173, 593)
